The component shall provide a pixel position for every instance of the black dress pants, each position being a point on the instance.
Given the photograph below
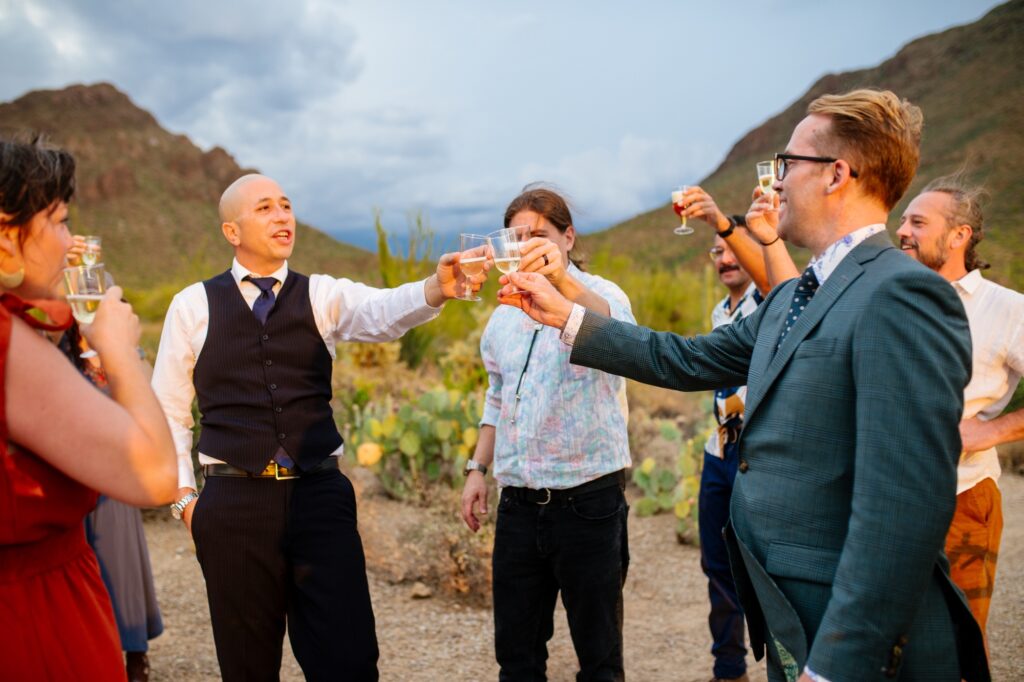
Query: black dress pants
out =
(575, 546)
(286, 551)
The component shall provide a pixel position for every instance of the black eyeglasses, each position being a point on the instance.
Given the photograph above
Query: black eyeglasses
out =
(782, 163)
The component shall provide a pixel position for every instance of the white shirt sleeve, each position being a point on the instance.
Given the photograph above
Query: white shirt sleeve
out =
(172, 375)
(349, 311)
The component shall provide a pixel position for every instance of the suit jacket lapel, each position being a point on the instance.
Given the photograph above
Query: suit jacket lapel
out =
(848, 270)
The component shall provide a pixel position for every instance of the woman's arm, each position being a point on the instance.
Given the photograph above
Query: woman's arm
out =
(120, 447)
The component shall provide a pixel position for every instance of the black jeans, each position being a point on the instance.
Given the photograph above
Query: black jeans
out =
(577, 546)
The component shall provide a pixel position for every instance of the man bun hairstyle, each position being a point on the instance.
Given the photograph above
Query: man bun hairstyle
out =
(965, 208)
(878, 134)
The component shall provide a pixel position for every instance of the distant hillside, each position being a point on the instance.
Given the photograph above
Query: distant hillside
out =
(969, 83)
(150, 194)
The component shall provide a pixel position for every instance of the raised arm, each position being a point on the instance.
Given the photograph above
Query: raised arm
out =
(119, 447)
(748, 253)
(762, 221)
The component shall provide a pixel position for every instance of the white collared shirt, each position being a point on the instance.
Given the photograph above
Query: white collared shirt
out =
(342, 309)
(996, 318)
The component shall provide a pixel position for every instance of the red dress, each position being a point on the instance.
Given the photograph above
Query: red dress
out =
(56, 621)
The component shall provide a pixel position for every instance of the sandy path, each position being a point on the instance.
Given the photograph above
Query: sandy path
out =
(438, 640)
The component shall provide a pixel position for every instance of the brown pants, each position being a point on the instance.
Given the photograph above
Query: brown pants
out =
(972, 545)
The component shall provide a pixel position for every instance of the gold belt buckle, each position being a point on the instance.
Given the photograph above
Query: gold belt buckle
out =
(277, 473)
(548, 491)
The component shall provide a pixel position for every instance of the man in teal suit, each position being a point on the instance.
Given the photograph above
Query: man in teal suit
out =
(855, 375)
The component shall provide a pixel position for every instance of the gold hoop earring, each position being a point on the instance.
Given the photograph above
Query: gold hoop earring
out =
(12, 280)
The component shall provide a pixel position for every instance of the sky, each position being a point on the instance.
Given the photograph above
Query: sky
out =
(449, 108)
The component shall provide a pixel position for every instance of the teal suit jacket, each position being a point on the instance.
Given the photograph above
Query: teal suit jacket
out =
(847, 480)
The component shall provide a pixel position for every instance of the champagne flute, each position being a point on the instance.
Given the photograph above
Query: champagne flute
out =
(766, 177)
(85, 285)
(474, 251)
(677, 206)
(93, 245)
(505, 247)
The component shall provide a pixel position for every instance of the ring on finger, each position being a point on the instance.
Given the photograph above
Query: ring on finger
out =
(545, 257)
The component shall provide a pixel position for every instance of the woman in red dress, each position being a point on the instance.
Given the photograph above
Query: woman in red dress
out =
(61, 440)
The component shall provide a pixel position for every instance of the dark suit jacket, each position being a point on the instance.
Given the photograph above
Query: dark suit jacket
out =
(848, 464)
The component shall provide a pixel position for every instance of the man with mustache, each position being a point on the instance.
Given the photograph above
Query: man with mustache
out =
(941, 229)
(721, 452)
(275, 525)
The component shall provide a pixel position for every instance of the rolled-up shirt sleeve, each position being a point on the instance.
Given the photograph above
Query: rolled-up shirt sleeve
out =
(349, 311)
(172, 381)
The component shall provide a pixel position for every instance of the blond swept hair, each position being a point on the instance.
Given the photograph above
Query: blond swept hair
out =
(878, 134)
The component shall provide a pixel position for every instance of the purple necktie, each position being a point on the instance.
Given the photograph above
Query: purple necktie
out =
(265, 303)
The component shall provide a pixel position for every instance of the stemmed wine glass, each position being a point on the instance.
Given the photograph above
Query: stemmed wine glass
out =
(678, 207)
(474, 249)
(505, 245)
(86, 285)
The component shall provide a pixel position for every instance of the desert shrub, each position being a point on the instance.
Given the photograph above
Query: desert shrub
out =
(673, 488)
(417, 444)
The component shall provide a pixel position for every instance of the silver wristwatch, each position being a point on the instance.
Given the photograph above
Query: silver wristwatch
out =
(178, 508)
(474, 466)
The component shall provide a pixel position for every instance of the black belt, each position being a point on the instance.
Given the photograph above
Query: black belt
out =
(546, 495)
(272, 470)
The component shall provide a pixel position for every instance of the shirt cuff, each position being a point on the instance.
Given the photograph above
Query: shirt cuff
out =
(186, 475)
(572, 325)
(815, 676)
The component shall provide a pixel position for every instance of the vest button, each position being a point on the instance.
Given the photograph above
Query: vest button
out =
(280, 436)
(273, 387)
(277, 409)
(265, 337)
(268, 363)
(743, 466)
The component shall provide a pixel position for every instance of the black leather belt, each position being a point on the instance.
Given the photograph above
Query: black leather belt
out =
(547, 495)
(272, 470)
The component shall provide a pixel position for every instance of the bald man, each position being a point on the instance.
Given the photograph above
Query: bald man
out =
(275, 526)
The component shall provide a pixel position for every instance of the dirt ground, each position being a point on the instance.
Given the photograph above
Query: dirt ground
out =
(442, 639)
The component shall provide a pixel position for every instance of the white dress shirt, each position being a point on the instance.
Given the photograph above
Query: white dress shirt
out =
(343, 310)
(996, 317)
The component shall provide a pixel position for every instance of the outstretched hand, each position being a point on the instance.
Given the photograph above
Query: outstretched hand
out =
(538, 298)
(449, 281)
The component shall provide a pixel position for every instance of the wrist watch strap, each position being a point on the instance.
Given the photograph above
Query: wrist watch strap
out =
(472, 465)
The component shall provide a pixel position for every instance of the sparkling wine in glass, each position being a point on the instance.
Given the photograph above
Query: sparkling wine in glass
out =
(93, 247)
(86, 285)
(475, 250)
(766, 177)
(505, 246)
(677, 206)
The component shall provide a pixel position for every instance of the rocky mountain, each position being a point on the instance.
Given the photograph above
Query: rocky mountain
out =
(969, 83)
(152, 195)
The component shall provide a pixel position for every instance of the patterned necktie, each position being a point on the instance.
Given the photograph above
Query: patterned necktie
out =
(263, 305)
(805, 289)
